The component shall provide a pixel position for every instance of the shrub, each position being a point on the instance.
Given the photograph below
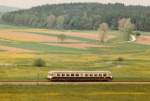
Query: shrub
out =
(120, 59)
(39, 62)
(138, 34)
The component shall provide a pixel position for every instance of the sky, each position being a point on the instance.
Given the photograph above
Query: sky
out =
(32, 3)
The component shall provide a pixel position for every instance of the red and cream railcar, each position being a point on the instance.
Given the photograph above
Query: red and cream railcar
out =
(77, 76)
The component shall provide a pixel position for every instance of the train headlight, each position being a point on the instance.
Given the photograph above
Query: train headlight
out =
(49, 76)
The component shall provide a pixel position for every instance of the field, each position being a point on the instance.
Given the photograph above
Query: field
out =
(20, 46)
(97, 92)
(40, 37)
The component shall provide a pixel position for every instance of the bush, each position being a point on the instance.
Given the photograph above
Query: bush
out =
(138, 34)
(39, 62)
(120, 59)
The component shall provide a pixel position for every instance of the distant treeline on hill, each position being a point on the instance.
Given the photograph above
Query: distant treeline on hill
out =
(79, 16)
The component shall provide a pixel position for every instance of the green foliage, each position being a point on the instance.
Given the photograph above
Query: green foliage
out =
(103, 28)
(71, 16)
(60, 22)
(39, 62)
(137, 34)
(125, 25)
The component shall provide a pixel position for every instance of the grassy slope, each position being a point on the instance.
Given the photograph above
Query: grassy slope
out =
(39, 47)
(76, 93)
(134, 66)
(69, 37)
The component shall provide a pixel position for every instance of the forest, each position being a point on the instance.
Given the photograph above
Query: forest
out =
(81, 16)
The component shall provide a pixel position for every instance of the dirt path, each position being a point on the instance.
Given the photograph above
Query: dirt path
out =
(143, 40)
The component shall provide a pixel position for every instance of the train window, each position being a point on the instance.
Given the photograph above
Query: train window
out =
(104, 74)
(67, 74)
(100, 75)
(86, 75)
(72, 74)
(80, 75)
(91, 75)
(95, 75)
(77, 74)
(58, 74)
(63, 74)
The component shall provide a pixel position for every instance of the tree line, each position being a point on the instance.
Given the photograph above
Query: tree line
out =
(81, 16)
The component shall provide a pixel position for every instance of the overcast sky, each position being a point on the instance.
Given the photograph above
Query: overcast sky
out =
(31, 3)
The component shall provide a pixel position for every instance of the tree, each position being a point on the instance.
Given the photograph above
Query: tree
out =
(79, 16)
(61, 38)
(60, 22)
(51, 21)
(103, 28)
(126, 26)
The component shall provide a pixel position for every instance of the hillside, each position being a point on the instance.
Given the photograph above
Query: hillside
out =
(4, 9)
(21, 46)
(79, 16)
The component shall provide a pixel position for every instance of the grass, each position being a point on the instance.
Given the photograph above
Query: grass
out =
(39, 47)
(19, 66)
(97, 92)
(6, 26)
(69, 37)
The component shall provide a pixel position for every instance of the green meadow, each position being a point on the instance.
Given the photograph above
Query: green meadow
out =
(95, 92)
(128, 61)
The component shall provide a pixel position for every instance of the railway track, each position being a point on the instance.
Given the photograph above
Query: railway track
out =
(69, 83)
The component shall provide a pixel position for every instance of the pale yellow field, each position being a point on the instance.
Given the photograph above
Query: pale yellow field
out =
(86, 35)
(76, 45)
(24, 36)
(14, 50)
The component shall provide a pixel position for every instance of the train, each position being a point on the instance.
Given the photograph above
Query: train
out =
(79, 76)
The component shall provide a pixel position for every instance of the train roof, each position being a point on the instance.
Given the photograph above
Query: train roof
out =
(79, 71)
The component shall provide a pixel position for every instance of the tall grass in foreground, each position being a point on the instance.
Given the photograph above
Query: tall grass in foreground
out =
(97, 92)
